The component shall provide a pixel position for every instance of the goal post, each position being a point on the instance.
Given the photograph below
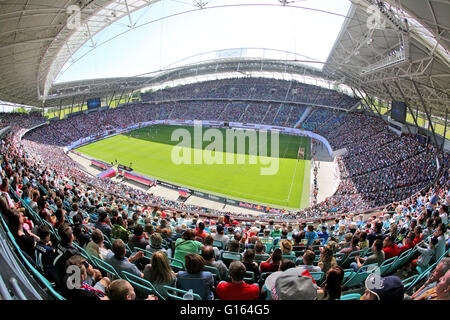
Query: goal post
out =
(301, 153)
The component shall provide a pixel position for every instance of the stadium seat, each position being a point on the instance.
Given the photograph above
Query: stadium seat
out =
(147, 254)
(249, 277)
(358, 278)
(127, 250)
(52, 230)
(402, 259)
(347, 274)
(107, 241)
(177, 265)
(177, 294)
(350, 257)
(318, 277)
(261, 257)
(106, 267)
(268, 244)
(291, 257)
(227, 257)
(142, 286)
(417, 278)
(41, 187)
(408, 283)
(420, 269)
(262, 278)
(84, 253)
(387, 266)
(351, 296)
(215, 272)
(218, 244)
(316, 259)
(339, 258)
(445, 254)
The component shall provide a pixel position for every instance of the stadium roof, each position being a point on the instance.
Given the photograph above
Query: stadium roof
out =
(38, 37)
(76, 92)
(404, 61)
(376, 51)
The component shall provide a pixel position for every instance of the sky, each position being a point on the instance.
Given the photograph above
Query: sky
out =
(170, 31)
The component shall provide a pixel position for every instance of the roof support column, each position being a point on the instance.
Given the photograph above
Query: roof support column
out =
(445, 130)
(120, 98)
(129, 15)
(372, 104)
(82, 103)
(110, 101)
(130, 96)
(427, 113)
(362, 104)
(71, 107)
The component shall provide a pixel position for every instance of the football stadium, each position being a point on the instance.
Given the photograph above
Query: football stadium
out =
(224, 150)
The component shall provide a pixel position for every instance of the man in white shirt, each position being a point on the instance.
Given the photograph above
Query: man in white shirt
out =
(308, 262)
(221, 236)
(447, 198)
(443, 213)
(440, 246)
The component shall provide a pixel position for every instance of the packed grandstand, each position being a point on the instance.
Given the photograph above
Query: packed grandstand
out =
(44, 189)
(382, 235)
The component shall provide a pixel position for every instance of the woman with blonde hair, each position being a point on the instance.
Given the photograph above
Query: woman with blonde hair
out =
(327, 259)
(394, 230)
(159, 272)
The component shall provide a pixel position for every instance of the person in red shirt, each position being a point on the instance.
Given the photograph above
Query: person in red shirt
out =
(417, 235)
(408, 243)
(200, 231)
(273, 263)
(237, 289)
(390, 248)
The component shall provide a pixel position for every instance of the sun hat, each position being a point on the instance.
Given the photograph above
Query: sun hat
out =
(295, 284)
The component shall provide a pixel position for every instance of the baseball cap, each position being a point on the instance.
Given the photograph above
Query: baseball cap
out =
(387, 288)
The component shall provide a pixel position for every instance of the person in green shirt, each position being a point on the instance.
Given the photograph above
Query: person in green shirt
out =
(186, 244)
(276, 233)
(119, 231)
(376, 257)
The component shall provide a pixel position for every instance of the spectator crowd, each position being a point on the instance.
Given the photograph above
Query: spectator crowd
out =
(119, 236)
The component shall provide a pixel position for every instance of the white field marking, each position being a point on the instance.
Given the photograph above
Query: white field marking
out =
(292, 183)
(293, 178)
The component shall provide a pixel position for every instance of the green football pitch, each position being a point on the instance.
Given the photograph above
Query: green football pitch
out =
(151, 152)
